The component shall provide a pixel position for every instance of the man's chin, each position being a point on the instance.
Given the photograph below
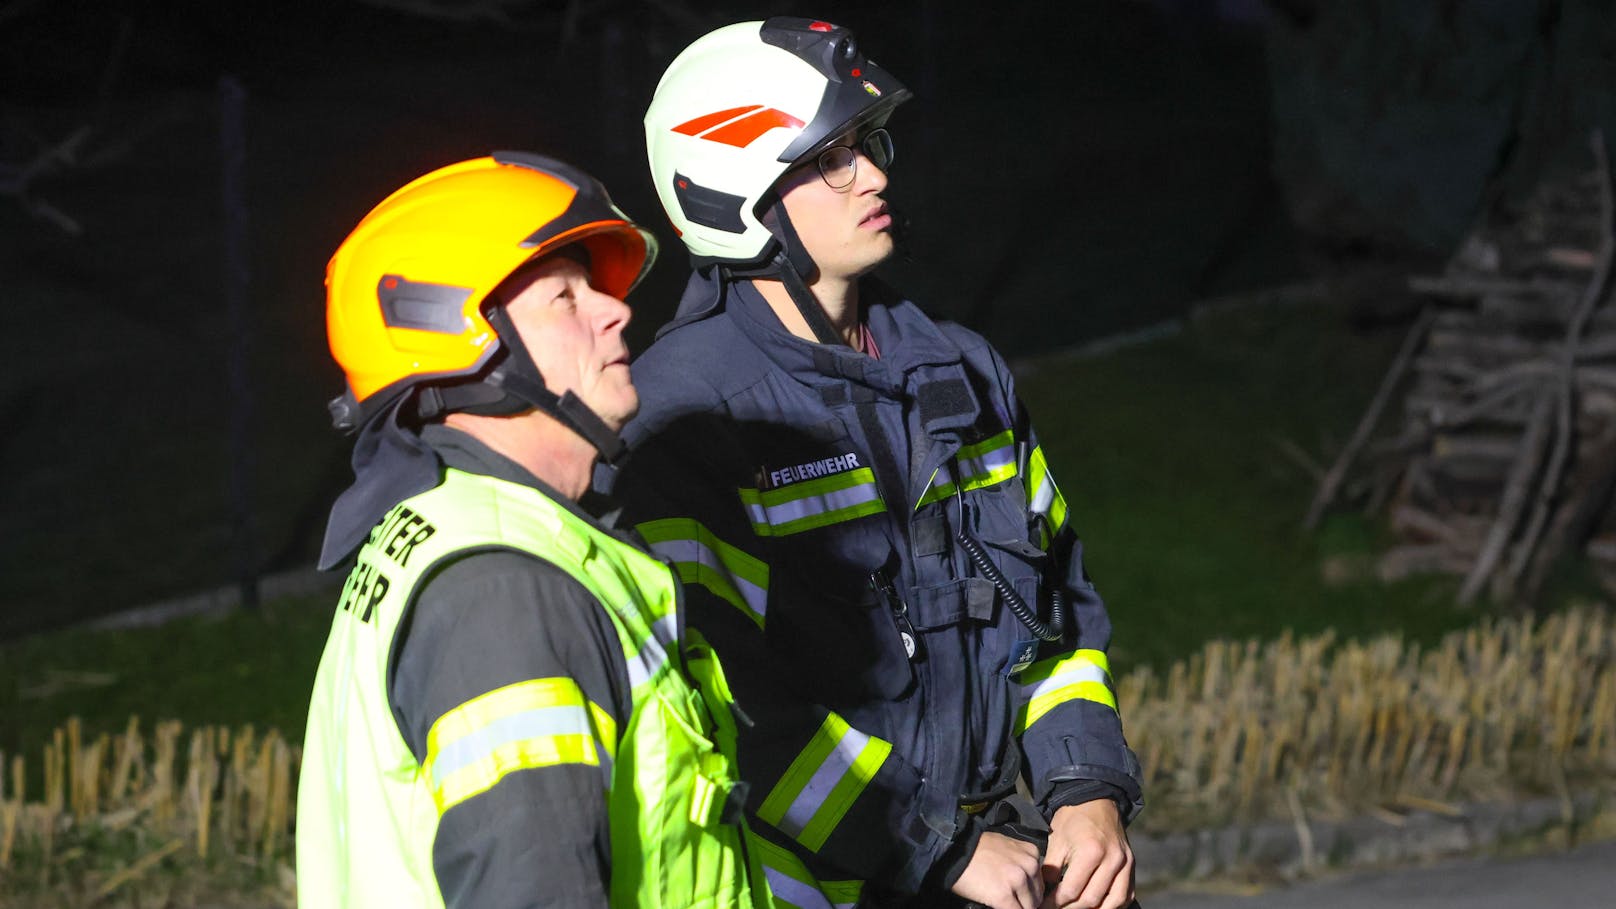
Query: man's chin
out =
(885, 252)
(620, 418)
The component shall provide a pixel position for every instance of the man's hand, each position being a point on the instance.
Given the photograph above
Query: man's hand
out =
(1088, 864)
(1002, 874)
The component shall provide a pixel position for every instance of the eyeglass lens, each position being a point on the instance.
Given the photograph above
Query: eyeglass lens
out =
(878, 148)
(838, 164)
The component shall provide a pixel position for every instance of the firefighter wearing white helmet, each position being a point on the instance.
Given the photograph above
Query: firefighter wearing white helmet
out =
(868, 529)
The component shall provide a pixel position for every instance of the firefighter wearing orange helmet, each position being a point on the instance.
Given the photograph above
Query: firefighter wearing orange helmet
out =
(508, 711)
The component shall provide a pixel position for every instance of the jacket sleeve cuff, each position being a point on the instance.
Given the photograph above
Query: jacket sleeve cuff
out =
(1079, 783)
(946, 871)
(1077, 792)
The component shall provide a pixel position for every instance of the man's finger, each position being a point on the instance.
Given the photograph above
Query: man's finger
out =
(1120, 895)
(1097, 886)
(1078, 873)
(1032, 885)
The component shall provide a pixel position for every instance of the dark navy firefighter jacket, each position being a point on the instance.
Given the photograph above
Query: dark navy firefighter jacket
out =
(809, 497)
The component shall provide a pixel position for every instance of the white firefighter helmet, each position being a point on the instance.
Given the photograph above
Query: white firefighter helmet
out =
(741, 106)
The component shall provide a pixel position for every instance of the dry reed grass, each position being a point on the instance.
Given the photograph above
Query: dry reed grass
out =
(1241, 732)
(112, 810)
(1248, 731)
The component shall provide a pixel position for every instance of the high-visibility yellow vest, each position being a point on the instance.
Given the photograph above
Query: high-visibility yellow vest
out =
(368, 810)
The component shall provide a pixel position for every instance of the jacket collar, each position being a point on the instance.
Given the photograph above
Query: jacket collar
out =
(917, 359)
(703, 296)
(392, 463)
(907, 338)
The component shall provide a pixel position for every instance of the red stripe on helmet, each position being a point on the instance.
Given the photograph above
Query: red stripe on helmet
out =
(745, 131)
(708, 121)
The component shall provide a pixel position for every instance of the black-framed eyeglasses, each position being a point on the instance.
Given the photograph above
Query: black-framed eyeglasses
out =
(838, 165)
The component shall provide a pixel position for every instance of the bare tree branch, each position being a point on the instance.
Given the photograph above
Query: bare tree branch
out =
(17, 182)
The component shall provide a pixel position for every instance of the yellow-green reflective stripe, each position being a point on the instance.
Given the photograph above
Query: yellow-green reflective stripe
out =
(842, 894)
(1048, 668)
(791, 883)
(985, 463)
(815, 503)
(536, 723)
(1079, 675)
(702, 558)
(1043, 496)
(820, 786)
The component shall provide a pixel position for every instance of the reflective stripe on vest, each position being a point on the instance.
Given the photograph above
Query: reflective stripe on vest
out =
(1080, 675)
(813, 503)
(652, 657)
(820, 786)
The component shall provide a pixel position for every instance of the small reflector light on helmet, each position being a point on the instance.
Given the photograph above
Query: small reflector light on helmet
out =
(820, 26)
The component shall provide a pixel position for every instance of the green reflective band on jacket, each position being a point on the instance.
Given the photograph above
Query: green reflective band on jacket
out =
(702, 558)
(792, 885)
(820, 786)
(537, 723)
(812, 503)
(1043, 496)
(368, 812)
(1082, 675)
(986, 463)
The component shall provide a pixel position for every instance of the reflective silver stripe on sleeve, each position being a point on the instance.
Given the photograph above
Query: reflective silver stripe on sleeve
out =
(1080, 672)
(795, 892)
(545, 721)
(837, 764)
(693, 551)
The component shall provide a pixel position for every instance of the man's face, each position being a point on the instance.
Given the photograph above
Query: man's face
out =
(848, 231)
(575, 336)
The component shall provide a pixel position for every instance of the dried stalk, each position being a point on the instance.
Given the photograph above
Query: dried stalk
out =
(10, 812)
(139, 867)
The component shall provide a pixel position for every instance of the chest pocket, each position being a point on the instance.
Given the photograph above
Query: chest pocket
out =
(818, 509)
(995, 519)
(840, 637)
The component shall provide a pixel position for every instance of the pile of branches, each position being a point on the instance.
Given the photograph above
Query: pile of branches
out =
(1504, 457)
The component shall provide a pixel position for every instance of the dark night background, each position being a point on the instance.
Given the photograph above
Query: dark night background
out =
(1071, 172)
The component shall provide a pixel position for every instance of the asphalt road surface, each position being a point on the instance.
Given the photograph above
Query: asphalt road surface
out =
(1584, 878)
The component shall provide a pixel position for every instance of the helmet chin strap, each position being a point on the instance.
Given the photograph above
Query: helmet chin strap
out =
(794, 267)
(518, 377)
